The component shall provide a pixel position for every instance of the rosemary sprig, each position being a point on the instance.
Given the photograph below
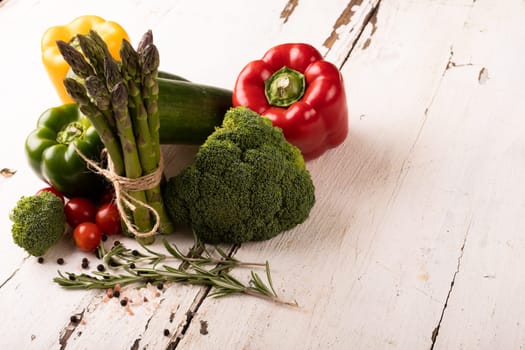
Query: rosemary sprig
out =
(199, 267)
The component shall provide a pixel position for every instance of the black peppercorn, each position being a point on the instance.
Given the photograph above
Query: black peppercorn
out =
(60, 261)
(101, 268)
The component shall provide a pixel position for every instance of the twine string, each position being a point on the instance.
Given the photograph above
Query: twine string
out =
(123, 186)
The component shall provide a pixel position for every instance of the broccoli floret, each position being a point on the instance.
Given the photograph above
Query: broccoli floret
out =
(38, 222)
(247, 183)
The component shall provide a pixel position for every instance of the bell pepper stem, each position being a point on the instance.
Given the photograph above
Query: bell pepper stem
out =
(285, 87)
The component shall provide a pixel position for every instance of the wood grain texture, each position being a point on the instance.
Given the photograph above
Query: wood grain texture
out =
(416, 238)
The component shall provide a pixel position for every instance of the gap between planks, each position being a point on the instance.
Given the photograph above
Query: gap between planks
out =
(345, 18)
(194, 308)
(435, 332)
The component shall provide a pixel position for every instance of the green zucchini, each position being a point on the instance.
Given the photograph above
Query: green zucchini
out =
(168, 75)
(190, 112)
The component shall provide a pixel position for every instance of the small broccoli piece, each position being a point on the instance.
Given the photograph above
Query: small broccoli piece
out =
(38, 222)
(247, 183)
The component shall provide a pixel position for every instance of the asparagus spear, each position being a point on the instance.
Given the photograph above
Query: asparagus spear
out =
(78, 92)
(132, 165)
(150, 64)
(93, 51)
(121, 101)
(75, 59)
(149, 146)
(96, 88)
(136, 107)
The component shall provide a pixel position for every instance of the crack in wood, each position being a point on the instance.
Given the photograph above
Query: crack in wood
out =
(185, 325)
(288, 10)
(371, 15)
(146, 326)
(373, 23)
(344, 18)
(70, 329)
(193, 309)
(482, 75)
(453, 64)
(13, 274)
(447, 67)
(136, 344)
(435, 332)
(10, 277)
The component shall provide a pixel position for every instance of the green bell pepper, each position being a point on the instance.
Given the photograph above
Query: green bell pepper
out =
(51, 153)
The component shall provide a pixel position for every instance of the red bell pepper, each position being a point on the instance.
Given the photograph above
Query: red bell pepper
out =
(299, 92)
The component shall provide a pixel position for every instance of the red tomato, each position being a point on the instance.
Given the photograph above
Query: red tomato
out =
(79, 210)
(108, 219)
(87, 236)
(52, 190)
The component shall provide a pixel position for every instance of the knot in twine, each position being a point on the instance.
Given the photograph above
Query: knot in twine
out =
(123, 186)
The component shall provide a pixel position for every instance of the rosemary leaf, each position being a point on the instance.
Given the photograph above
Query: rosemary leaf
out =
(198, 267)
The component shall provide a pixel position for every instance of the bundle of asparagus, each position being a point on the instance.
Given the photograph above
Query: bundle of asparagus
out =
(120, 100)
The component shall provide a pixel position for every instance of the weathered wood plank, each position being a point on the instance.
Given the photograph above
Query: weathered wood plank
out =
(486, 303)
(416, 237)
(372, 266)
(195, 41)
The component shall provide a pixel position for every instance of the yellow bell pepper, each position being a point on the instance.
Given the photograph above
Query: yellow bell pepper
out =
(56, 67)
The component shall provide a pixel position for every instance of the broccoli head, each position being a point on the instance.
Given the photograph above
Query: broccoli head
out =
(38, 222)
(247, 183)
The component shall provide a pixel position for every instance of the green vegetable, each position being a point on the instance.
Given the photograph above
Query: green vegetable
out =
(200, 266)
(51, 154)
(38, 222)
(247, 183)
(171, 76)
(190, 112)
(120, 99)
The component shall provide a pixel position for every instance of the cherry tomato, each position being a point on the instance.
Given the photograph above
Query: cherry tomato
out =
(52, 190)
(87, 236)
(79, 210)
(108, 219)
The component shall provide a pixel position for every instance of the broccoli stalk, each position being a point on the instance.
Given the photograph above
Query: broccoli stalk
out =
(38, 222)
(247, 183)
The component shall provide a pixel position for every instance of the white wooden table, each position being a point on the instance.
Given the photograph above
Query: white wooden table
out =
(417, 238)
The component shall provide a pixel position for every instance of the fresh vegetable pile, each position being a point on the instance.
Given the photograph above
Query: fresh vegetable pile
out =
(100, 154)
(120, 100)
